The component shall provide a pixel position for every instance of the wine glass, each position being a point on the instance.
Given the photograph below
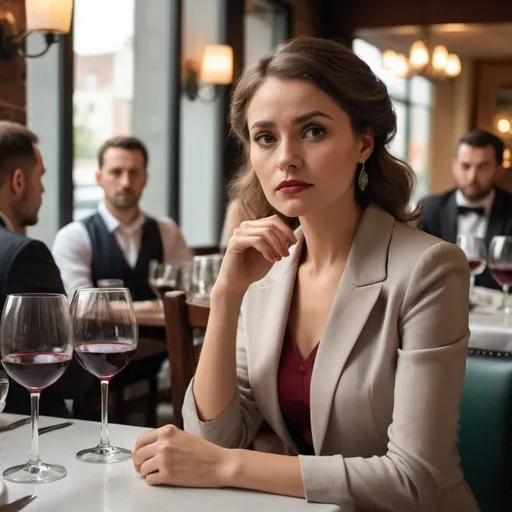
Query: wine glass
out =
(205, 270)
(476, 252)
(36, 339)
(4, 389)
(106, 336)
(163, 277)
(500, 265)
(110, 283)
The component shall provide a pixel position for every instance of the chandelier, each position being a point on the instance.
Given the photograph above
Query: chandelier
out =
(433, 62)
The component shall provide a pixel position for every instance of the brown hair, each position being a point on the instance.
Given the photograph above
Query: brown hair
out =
(16, 148)
(341, 74)
(123, 142)
(481, 139)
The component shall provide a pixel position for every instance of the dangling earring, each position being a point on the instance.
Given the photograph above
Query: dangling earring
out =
(363, 177)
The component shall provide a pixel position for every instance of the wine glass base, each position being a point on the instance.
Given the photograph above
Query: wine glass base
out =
(38, 473)
(104, 454)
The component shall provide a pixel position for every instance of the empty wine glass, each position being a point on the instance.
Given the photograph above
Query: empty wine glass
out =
(500, 265)
(476, 252)
(163, 277)
(205, 271)
(36, 339)
(106, 336)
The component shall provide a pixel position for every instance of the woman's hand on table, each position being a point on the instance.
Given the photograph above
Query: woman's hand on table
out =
(170, 456)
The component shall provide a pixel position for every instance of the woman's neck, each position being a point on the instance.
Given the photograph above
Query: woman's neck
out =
(329, 235)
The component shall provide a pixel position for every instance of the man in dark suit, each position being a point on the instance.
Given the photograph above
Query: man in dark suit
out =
(477, 206)
(27, 266)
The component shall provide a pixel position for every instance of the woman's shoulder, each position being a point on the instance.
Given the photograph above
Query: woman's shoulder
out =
(412, 250)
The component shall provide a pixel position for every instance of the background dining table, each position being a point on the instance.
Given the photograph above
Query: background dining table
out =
(117, 487)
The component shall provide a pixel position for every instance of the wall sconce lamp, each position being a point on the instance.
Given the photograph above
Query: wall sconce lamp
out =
(50, 18)
(216, 69)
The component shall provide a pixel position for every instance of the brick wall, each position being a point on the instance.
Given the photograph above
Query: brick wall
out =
(13, 96)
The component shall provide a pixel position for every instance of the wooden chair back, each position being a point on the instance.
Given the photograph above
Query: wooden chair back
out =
(181, 319)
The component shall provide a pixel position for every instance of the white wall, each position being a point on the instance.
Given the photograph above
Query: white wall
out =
(259, 36)
(200, 144)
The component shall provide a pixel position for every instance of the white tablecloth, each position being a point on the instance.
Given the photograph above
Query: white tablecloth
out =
(490, 331)
(117, 487)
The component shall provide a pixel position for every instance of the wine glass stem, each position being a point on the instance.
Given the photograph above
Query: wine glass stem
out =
(505, 297)
(34, 417)
(104, 414)
(471, 287)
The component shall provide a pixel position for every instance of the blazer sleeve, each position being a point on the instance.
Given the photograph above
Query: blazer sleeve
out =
(238, 424)
(421, 464)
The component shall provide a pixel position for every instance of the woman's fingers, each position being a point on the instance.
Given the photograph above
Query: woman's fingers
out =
(243, 243)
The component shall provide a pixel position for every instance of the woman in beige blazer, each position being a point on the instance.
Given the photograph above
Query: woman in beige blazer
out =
(380, 307)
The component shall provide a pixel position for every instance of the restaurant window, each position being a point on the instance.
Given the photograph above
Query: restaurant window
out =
(104, 57)
(412, 102)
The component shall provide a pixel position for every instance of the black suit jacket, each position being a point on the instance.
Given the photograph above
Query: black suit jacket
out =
(439, 218)
(27, 266)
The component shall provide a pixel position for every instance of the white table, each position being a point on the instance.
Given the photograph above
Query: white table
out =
(490, 331)
(117, 487)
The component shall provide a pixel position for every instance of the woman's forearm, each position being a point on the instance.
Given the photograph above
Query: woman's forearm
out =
(215, 382)
(266, 472)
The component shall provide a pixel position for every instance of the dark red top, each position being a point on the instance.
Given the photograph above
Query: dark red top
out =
(293, 388)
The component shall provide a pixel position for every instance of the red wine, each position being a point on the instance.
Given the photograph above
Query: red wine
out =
(163, 289)
(476, 267)
(104, 359)
(36, 370)
(502, 274)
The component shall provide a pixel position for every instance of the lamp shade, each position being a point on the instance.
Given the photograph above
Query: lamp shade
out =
(217, 66)
(49, 16)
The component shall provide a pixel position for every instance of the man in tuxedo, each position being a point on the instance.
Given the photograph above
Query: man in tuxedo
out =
(27, 266)
(477, 206)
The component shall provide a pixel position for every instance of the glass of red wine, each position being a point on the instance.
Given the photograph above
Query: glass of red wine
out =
(106, 335)
(500, 265)
(476, 252)
(36, 338)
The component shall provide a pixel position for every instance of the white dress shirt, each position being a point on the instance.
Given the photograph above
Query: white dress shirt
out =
(72, 248)
(472, 223)
(8, 224)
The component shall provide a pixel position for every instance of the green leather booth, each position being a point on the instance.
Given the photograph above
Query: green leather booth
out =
(486, 429)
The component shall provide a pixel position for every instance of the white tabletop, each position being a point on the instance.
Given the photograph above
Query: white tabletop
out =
(490, 330)
(117, 487)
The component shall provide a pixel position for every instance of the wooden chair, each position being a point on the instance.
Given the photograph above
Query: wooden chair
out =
(181, 318)
(206, 249)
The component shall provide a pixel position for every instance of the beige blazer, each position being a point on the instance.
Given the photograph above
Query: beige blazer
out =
(387, 379)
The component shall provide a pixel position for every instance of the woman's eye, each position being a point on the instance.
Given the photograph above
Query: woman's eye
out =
(264, 139)
(314, 132)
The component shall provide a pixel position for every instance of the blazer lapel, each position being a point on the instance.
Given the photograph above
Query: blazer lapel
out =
(449, 221)
(274, 299)
(357, 294)
(496, 225)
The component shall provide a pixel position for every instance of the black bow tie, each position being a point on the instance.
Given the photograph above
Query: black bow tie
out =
(479, 210)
